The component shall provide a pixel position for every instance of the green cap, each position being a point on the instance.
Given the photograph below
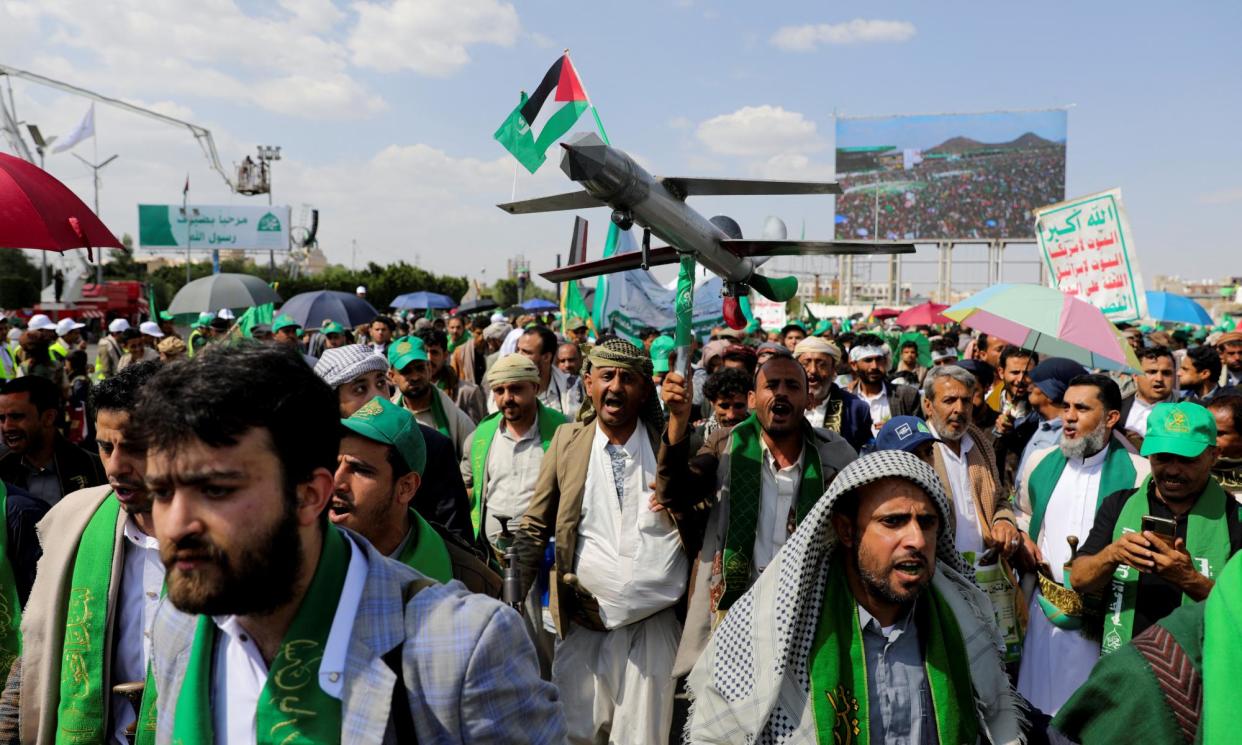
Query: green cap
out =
(166, 316)
(331, 327)
(204, 320)
(284, 322)
(661, 347)
(1184, 429)
(385, 422)
(405, 350)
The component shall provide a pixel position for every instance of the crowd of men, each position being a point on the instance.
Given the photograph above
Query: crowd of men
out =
(478, 529)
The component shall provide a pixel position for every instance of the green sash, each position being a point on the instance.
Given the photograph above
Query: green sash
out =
(437, 411)
(546, 419)
(745, 481)
(10, 608)
(839, 669)
(425, 551)
(1118, 473)
(1222, 656)
(1207, 540)
(293, 709)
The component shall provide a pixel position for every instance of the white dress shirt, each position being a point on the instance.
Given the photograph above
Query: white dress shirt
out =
(628, 556)
(969, 534)
(1136, 421)
(1055, 662)
(239, 672)
(881, 412)
(510, 473)
(778, 493)
(142, 580)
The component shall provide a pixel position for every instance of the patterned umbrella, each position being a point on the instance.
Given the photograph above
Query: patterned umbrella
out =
(1049, 322)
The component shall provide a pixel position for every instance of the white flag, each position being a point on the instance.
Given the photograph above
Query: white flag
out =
(85, 129)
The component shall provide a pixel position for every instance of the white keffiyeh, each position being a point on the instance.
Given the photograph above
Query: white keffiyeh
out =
(752, 684)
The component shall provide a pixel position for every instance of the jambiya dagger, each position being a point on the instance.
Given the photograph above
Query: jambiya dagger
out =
(611, 178)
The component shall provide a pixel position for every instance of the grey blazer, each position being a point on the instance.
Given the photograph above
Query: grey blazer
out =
(470, 671)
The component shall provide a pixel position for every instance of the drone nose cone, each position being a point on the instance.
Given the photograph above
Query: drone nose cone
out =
(582, 162)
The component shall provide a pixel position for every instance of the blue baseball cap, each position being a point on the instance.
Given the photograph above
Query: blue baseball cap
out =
(903, 433)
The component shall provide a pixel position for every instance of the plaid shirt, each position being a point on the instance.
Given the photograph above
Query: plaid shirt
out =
(470, 670)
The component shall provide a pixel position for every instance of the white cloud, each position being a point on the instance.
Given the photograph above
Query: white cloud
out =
(795, 166)
(428, 36)
(808, 37)
(757, 131)
(280, 58)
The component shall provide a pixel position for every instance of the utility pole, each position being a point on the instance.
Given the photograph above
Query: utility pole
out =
(268, 155)
(41, 145)
(96, 167)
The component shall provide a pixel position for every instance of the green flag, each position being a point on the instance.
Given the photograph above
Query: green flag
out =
(517, 138)
(255, 316)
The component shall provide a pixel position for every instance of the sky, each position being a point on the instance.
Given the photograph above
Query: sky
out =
(385, 109)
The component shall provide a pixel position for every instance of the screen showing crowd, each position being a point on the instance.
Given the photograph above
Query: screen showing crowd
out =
(948, 176)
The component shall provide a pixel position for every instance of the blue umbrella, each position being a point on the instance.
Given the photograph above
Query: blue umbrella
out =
(1165, 306)
(311, 309)
(423, 300)
(537, 303)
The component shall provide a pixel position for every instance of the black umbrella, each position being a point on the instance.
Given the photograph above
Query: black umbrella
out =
(477, 306)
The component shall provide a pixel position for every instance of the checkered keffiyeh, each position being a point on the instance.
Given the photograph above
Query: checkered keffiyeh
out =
(621, 353)
(341, 365)
(752, 684)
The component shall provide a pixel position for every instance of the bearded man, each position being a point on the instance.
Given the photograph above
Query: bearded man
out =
(379, 473)
(620, 568)
(358, 375)
(982, 515)
(760, 479)
(1062, 489)
(279, 626)
(829, 406)
(869, 358)
(86, 626)
(866, 628)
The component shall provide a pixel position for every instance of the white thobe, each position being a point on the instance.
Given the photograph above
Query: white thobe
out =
(239, 672)
(1055, 662)
(778, 493)
(969, 535)
(630, 558)
(142, 580)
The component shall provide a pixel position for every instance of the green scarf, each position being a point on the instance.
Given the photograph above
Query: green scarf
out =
(745, 481)
(839, 669)
(437, 411)
(425, 551)
(1222, 656)
(1207, 540)
(546, 419)
(10, 608)
(83, 708)
(1118, 473)
(293, 709)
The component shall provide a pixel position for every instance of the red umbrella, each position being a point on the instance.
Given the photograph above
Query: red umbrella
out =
(927, 314)
(880, 314)
(37, 211)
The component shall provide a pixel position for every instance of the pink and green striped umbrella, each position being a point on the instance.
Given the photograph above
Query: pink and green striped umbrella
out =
(1049, 322)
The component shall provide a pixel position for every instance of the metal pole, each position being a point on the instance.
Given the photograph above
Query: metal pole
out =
(99, 261)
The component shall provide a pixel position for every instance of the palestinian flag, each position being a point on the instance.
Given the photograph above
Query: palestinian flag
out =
(518, 133)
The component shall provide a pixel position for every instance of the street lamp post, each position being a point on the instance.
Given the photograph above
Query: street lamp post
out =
(96, 167)
(267, 155)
